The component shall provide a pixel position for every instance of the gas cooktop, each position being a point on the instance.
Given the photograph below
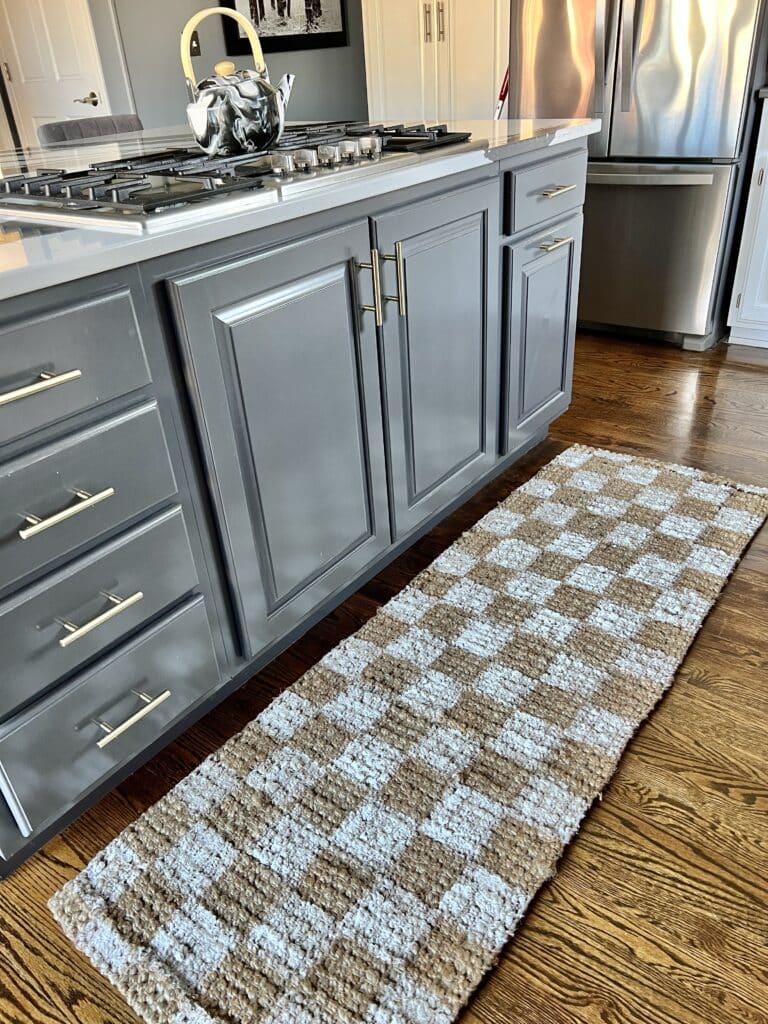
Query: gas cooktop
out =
(158, 191)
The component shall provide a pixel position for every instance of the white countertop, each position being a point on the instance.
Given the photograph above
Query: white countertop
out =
(35, 256)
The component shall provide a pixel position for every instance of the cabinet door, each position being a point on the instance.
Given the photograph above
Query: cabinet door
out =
(541, 288)
(284, 373)
(472, 56)
(401, 59)
(441, 357)
(750, 305)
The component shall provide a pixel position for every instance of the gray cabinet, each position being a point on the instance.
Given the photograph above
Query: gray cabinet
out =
(68, 494)
(52, 754)
(440, 348)
(68, 360)
(541, 290)
(106, 595)
(284, 373)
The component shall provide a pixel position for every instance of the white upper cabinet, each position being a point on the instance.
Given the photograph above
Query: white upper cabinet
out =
(430, 60)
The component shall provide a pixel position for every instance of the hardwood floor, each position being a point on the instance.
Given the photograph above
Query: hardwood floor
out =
(660, 910)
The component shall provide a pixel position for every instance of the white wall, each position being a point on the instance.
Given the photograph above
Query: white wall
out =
(330, 83)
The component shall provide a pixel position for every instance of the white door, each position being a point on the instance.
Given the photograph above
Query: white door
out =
(473, 53)
(400, 58)
(50, 62)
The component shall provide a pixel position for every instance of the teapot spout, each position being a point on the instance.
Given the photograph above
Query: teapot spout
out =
(284, 87)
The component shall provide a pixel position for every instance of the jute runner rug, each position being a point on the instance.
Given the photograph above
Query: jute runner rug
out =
(362, 851)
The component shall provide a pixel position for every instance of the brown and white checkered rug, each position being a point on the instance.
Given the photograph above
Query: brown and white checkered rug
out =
(362, 851)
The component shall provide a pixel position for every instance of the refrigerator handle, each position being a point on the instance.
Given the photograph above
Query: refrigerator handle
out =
(644, 178)
(600, 12)
(627, 54)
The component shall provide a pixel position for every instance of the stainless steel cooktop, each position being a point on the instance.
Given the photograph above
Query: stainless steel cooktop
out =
(163, 190)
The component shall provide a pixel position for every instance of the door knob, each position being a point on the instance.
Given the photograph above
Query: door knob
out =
(91, 98)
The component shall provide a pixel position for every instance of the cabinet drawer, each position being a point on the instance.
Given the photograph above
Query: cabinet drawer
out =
(56, 752)
(536, 194)
(80, 487)
(148, 569)
(68, 360)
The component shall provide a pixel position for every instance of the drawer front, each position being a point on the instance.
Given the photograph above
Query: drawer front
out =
(54, 754)
(106, 595)
(539, 193)
(67, 361)
(79, 488)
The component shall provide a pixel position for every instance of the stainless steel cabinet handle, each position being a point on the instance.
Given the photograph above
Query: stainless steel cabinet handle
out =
(427, 23)
(86, 500)
(441, 23)
(377, 308)
(119, 605)
(557, 244)
(45, 383)
(150, 703)
(559, 190)
(598, 104)
(399, 262)
(665, 178)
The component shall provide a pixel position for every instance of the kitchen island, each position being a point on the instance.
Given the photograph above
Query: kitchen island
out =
(214, 428)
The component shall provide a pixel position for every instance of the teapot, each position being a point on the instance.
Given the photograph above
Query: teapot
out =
(231, 111)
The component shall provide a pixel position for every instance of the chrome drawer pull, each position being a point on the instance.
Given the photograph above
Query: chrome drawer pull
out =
(150, 703)
(119, 604)
(399, 262)
(557, 244)
(45, 383)
(374, 267)
(560, 190)
(87, 500)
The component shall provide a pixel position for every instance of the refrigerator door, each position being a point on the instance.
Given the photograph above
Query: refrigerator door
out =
(562, 61)
(681, 78)
(653, 244)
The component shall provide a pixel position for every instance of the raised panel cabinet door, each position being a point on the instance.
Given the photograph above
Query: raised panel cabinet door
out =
(401, 55)
(752, 309)
(541, 288)
(441, 351)
(284, 374)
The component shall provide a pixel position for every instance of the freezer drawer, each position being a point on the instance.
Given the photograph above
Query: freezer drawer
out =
(653, 238)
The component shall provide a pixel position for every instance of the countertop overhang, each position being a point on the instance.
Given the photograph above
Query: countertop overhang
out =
(35, 256)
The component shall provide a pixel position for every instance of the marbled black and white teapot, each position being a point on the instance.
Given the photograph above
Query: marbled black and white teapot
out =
(232, 111)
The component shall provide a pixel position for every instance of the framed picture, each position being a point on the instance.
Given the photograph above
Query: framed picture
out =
(287, 24)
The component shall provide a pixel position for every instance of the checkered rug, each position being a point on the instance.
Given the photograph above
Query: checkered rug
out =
(362, 851)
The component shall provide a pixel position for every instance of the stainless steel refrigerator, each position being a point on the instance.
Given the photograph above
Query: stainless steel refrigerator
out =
(674, 82)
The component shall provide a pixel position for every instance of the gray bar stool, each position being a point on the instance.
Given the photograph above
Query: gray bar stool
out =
(77, 129)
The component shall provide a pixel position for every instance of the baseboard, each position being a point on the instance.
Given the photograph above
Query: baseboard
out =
(735, 339)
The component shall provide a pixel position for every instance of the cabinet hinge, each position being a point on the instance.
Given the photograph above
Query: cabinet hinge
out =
(760, 176)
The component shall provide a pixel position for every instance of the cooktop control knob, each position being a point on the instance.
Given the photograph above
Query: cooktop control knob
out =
(306, 160)
(282, 163)
(329, 155)
(370, 146)
(350, 150)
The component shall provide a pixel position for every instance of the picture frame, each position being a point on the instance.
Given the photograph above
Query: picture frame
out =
(265, 13)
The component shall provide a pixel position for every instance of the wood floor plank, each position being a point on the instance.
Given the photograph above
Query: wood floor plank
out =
(659, 912)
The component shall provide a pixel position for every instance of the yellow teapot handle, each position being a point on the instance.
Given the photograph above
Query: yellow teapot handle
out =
(245, 24)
